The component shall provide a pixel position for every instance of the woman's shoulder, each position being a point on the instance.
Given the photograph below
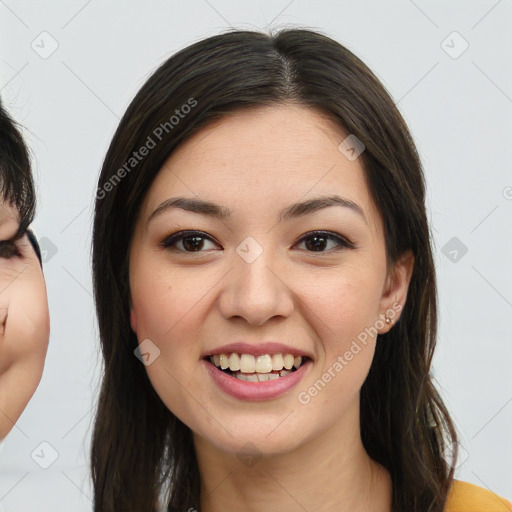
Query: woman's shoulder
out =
(466, 497)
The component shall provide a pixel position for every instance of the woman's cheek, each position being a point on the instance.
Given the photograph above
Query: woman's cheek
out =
(27, 326)
(344, 302)
(157, 308)
(163, 315)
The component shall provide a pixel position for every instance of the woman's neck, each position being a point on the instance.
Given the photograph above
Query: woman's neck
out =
(330, 473)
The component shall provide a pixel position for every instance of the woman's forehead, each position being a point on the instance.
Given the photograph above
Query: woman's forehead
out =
(269, 147)
(270, 156)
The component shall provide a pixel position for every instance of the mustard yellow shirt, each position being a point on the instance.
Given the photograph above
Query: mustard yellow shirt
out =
(466, 497)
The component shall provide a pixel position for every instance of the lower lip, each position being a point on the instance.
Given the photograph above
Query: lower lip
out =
(254, 391)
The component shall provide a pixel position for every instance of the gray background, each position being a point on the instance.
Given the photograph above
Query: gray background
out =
(458, 105)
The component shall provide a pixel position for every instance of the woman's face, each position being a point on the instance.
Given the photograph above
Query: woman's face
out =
(251, 284)
(24, 320)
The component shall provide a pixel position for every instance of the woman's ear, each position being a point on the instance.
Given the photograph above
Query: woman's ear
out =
(394, 295)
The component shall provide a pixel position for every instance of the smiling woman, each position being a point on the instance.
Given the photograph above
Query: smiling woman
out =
(273, 246)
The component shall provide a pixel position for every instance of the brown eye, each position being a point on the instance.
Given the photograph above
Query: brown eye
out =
(9, 249)
(317, 241)
(193, 240)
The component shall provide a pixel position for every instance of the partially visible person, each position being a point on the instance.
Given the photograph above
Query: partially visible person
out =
(24, 316)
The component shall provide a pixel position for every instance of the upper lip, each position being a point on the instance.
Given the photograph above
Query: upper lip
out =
(258, 349)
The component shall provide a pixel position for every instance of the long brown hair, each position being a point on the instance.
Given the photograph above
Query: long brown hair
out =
(141, 453)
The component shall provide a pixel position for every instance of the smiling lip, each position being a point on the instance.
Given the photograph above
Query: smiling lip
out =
(255, 391)
(259, 349)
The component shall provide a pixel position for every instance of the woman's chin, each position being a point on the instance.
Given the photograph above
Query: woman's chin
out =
(254, 441)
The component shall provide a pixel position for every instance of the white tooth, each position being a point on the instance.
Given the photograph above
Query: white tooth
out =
(216, 360)
(273, 376)
(262, 377)
(288, 361)
(252, 377)
(247, 363)
(263, 364)
(240, 376)
(297, 361)
(224, 362)
(277, 362)
(234, 362)
(284, 373)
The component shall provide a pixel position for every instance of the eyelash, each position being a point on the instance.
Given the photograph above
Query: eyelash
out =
(181, 235)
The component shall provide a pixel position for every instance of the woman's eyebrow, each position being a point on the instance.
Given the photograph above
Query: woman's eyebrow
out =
(292, 211)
